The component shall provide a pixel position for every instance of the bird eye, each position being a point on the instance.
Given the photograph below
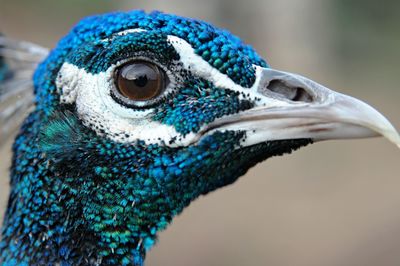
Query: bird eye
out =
(140, 80)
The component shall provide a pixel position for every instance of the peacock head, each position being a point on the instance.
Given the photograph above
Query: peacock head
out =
(138, 114)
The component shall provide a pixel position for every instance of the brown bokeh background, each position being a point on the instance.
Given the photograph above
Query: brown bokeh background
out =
(332, 203)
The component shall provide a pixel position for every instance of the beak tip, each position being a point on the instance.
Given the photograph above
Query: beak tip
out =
(391, 134)
(398, 142)
(394, 137)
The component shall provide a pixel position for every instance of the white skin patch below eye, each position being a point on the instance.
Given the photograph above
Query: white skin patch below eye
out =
(98, 110)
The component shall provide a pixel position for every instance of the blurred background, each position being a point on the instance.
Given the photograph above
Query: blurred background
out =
(332, 203)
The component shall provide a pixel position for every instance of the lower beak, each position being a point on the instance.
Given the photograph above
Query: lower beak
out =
(294, 107)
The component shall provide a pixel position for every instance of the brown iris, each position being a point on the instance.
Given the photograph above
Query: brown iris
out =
(140, 80)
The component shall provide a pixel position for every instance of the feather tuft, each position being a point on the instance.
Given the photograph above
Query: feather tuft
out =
(18, 61)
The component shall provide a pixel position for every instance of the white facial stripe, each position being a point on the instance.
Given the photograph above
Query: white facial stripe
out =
(203, 69)
(125, 32)
(97, 110)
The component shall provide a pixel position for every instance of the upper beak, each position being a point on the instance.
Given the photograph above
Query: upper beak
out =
(295, 107)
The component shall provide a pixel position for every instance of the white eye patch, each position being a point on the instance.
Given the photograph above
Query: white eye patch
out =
(98, 110)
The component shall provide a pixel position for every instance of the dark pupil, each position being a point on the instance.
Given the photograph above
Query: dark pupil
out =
(140, 81)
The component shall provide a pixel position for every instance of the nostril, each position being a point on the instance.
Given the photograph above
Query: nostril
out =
(302, 96)
(292, 93)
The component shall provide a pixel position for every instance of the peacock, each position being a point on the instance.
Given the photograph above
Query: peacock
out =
(132, 116)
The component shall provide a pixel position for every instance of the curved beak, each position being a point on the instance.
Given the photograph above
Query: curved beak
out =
(293, 107)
